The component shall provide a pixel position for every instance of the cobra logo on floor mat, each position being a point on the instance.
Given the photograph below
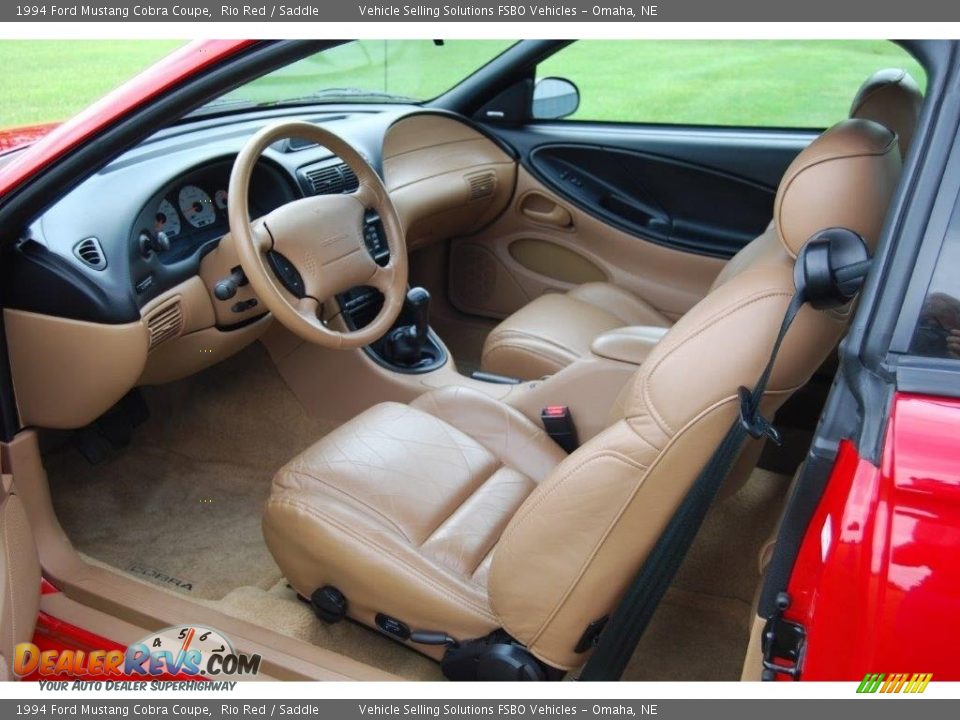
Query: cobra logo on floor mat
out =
(159, 576)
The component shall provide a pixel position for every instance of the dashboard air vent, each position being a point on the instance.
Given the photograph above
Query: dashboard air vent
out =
(482, 185)
(350, 182)
(90, 253)
(331, 179)
(165, 323)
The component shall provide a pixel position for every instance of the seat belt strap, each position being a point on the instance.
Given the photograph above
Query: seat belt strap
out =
(619, 638)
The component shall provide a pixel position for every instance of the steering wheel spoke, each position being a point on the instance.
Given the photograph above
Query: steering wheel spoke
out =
(367, 195)
(262, 239)
(308, 308)
(384, 278)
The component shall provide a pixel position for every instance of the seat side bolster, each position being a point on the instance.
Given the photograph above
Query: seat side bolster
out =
(502, 430)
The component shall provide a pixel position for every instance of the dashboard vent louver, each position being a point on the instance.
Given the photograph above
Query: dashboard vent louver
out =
(350, 182)
(165, 323)
(332, 179)
(482, 185)
(90, 253)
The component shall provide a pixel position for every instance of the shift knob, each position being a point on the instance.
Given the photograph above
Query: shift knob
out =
(418, 305)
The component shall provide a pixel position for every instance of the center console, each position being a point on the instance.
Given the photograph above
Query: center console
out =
(410, 346)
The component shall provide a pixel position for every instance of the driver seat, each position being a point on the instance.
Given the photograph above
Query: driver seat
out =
(457, 514)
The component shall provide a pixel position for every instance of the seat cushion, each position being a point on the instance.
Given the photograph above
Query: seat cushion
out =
(402, 507)
(554, 330)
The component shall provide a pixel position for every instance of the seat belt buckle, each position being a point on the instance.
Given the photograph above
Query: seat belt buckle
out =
(753, 422)
(558, 424)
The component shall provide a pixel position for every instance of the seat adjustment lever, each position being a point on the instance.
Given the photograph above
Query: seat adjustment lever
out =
(432, 637)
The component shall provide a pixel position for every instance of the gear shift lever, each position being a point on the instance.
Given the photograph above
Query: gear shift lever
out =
(418, 303)
(405, 342)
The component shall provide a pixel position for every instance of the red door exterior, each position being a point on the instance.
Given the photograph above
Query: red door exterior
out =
(877, 580)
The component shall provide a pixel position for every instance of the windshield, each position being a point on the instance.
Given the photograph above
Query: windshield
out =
(378, 71)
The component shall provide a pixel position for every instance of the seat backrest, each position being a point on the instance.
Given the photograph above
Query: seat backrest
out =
(889, 97)
(569, 552)
(892, 98)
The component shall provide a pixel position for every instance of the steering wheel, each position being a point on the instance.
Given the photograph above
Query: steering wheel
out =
(308, 250)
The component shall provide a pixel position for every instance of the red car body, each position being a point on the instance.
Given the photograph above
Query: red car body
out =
(13, 138)
(877, 578)
(168, 73)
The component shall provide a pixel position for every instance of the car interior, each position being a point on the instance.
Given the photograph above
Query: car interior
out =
(429, 385)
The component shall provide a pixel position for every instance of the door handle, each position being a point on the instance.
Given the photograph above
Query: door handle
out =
(557, 216)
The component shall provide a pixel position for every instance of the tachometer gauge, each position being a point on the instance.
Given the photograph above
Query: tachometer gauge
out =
(166, 220)
(197, 207)
(220, 199)
(183, 649)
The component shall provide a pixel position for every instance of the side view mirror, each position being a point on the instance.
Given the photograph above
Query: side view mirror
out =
(554, 98)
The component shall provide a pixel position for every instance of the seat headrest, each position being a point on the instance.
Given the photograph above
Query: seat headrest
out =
(892, 98)
(845, 178)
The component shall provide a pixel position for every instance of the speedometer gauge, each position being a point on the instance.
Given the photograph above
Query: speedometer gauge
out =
(220, 199)
(197, 206)
(167, 220)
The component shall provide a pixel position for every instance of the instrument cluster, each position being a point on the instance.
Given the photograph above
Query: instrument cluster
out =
(187, 216)
(192, 210)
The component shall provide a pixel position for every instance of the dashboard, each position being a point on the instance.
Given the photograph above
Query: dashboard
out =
(119, 282)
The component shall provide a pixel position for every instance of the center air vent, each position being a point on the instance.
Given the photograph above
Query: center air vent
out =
(330, 179)
(165, 323)
(90, 253)
(482, 185)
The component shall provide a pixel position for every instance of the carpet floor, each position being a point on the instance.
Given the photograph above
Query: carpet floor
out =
(181, 504)
(180, 507)
(701, 629)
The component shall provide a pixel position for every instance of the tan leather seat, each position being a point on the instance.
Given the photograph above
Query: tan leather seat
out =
(457, 514)
(407, 502)
(553, 330)
(892, 98)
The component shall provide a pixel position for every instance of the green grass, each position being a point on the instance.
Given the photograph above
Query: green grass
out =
(771, 83)
(805, 83)
(50, 80)
(413, 68)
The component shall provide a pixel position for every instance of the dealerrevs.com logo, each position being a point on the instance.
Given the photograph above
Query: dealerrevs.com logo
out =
(183, 652)
(895, 683)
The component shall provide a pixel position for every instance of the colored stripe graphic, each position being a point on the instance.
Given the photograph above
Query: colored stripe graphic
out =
(894, 683)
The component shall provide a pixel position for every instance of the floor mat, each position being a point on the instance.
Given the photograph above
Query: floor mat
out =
(692, 636)
(701, 628)
(181, 505)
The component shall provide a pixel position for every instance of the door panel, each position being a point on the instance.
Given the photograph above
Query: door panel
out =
(519, 257)
(19, 576)
(656, 210)
(703, 190)
(664, 200)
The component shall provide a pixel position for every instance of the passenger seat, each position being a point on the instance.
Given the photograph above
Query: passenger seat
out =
(555, 329)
